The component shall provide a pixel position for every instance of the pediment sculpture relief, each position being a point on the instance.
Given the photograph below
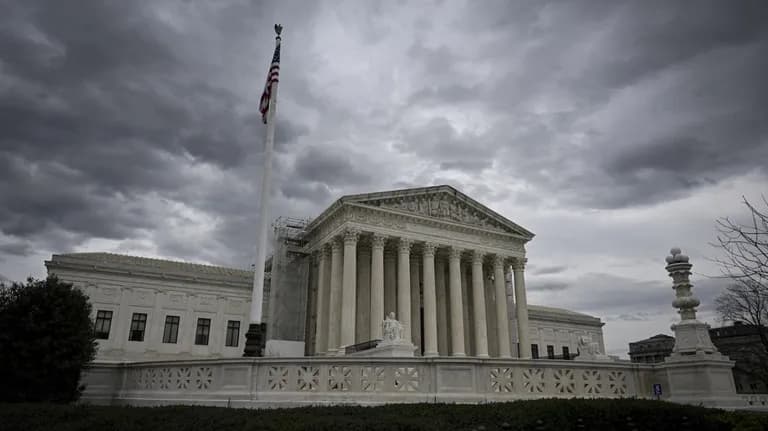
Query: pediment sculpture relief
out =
(440, 207)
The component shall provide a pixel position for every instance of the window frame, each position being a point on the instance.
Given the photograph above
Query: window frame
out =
(550, 351)
(232, 338)
(203, 331)
(137, 320)
(171, 329)
(101, 321)
(534, 351)
(566, 352)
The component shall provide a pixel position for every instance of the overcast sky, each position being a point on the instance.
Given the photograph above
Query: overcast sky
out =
(613, 130)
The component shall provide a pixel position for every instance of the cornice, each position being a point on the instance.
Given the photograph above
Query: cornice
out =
(125, 270)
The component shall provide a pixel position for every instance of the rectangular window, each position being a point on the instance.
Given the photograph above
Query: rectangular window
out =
(566, 353)
(203, 331)
(103, 323)
(535, 351)
(233, 333)
(138, 325)
(550, 351)
(171, 331)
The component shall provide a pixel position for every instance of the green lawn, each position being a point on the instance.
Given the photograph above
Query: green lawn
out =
(522, 415)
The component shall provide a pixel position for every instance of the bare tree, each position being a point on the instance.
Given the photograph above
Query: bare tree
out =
(744, 261)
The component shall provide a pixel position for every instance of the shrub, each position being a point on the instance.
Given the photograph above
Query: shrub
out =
(46, 339)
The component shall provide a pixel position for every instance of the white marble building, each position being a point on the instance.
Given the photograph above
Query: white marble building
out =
(428, 254)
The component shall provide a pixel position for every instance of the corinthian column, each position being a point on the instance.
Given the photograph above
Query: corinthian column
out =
(457, 317)
(323, 291)
(523, 334)
(404, 286)
(349, 284)
(430, 301)
(334, 302)
(377, 285)
(478, 300)
(502, 322)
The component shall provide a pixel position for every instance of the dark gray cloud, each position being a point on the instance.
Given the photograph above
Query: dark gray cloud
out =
(133, 126)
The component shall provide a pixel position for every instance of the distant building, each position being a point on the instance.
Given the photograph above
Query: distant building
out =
(651, 350)
(737, 341)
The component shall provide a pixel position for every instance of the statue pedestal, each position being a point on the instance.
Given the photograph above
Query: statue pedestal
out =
(388, 350)
(702, 379)
(692, 337)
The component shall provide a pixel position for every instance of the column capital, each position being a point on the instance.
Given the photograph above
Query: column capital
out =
(455, 252)
(498, 261)
(404, 245)
(519, 264)
(429, 249)
(324, 250)
(477, 257)
(336, 244)
(351, 236)
(378, 240)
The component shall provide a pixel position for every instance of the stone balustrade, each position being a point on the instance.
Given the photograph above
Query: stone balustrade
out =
(347, 380)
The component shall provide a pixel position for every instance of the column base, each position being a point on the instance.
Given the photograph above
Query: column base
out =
(459, 355)
(255, 339)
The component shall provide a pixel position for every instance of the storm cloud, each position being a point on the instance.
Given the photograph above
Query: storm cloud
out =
(613, 130)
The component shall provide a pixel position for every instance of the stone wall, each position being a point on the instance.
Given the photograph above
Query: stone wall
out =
(270, 382)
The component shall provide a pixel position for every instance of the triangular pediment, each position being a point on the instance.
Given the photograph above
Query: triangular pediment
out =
(443, 203)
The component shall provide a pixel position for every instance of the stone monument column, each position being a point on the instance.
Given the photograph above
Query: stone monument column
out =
(523, 334)
(377, 285)
(502, 322)
(323, 284)
(430, 301)
(696, 372)
(478, 299)
(457, 317)
(404, 286)
(349, 285)
(691, 336)
(443, 343)
(334, 302)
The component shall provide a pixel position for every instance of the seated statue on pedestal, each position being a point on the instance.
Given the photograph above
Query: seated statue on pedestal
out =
(589, 350)
(392, 330)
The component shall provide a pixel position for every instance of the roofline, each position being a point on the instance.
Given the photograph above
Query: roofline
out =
(337, 204)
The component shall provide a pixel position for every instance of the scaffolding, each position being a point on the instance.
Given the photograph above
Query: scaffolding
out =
(289, 280)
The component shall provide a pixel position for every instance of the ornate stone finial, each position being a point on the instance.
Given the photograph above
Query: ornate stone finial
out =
(680, 270)
(691, 336)
(278, 29)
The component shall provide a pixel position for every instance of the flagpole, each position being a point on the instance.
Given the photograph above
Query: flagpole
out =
(256, 328)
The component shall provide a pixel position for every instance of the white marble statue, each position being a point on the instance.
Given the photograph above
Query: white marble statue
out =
(392, 330)
(589, 350)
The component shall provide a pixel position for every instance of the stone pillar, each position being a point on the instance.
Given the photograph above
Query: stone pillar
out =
(334, 301)
(377, 285)
(323, 293)
(502, 322)
(523, 334)
(404, 286)
(457, 319)
(363, 316)
(478, 300)
(466, 302)
(390, 281)
(349, 284)
(443, 341)
(430, 301)
(415, 303)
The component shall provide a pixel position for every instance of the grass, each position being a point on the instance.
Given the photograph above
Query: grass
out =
(538, 415)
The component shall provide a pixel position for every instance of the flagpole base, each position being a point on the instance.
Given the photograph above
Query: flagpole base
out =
(255, 340)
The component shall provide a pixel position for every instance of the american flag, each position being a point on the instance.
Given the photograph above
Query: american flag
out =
(272, 76)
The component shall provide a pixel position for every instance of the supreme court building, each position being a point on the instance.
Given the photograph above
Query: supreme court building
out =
(451, 269)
